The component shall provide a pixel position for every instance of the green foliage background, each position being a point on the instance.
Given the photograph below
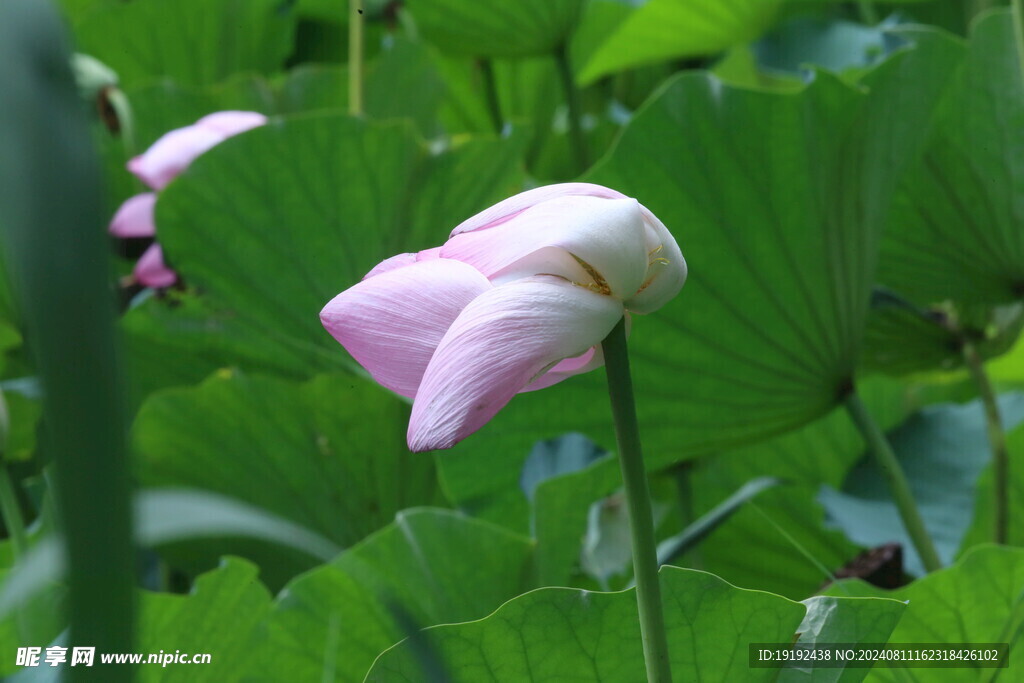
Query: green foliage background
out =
(846, 181)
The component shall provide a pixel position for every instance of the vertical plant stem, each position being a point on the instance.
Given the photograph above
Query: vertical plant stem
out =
(638, 502)
(58, 257)
(13, 521)
(491, 94)
(355, 57)
(996, 440)
(868, 15)
(898, 485)
(572, 99)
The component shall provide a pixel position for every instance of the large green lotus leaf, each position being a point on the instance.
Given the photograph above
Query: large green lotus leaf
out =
(955, 227)
(192, 41)
(665, 29)
(273, 223)
(163, 105)
(943, 450)
(493, 28)
(428, 567)
(329, 455)
(842, 620)
(777, 200)
(977, 600)
(181, 339)
(401, 82)
(219, 617)
(563, 634)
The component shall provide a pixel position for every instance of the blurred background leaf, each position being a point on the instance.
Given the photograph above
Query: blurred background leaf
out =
(943, 450)
(194, 42)
(328, 455)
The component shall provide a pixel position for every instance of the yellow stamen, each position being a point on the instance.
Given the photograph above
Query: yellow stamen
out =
(600, 285)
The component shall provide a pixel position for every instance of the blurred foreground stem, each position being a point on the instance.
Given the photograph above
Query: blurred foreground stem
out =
(638, 502)
(572, 99)
(898, 485)
(355, 57)
(57, 253)
(996, 440)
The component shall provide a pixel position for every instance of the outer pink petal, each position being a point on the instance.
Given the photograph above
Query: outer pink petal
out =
(151, 270)
(171, 154)
(509, 208)
(393, 263)
(403, 260)
(591, 359)
(392, 323)
(608, 234)
(135, 217)
(505, 339)
(229, 123)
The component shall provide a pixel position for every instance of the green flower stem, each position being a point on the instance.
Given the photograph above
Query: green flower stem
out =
(898, 485)
(638, 501)
(355, 57)
(491, 93)
(996, 440)
(13, 521)
(572, 98)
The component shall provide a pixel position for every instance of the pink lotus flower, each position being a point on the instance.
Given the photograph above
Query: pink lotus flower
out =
(519, 298)
(165, 160)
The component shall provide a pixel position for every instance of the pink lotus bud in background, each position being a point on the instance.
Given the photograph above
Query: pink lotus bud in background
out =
(165, 160)
(519, 298)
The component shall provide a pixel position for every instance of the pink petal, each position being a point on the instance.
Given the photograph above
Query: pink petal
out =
(666, 273)
(151, 271)
(393, 263)
(135, 217)
(392, 323)
(608, 234)
(505, 339)
(171, 154)
(509, 208)
(591, 359)
(403, 260)
(228, 123)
